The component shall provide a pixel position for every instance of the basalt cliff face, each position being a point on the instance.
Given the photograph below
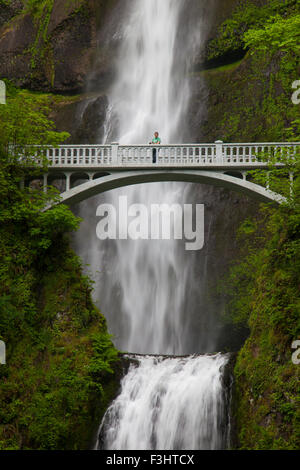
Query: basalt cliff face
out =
(69, 48)
(50, 45)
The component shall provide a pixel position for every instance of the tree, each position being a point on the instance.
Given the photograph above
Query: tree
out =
(24, 124)
(278, 34)
(24, 129)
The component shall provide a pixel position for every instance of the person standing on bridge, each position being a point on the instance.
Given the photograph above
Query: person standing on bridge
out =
(155, 141)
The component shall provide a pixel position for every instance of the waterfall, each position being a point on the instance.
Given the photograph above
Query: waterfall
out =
(146, 97)
(152, 281)
(169, 404)
(151, 91)
(148, 289)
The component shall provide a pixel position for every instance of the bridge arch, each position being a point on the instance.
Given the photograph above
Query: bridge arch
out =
(120, 179)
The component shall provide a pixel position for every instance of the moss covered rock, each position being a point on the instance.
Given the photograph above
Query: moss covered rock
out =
(266, 400)
(49, 45)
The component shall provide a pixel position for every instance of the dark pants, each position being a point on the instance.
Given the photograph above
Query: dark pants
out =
(154, 155)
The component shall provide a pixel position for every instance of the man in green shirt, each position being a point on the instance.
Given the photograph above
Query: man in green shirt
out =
(155, 141)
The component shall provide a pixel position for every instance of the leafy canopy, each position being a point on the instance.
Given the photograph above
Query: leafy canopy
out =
(24, 128)
(277, 34)
(24, 124)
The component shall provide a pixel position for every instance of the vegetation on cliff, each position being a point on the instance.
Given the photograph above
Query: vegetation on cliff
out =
(249, 100)
(263, 285)
(249, 16)
(61, 365)
(265, 296)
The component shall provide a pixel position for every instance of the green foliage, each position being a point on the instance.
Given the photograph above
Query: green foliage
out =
(41, 11)
(60, 371)
(263, 286)
(104, 355)
(24, 124)
(263, 290)
(252, 102)
(36, 7)
(277, 34)
(55, 364)
(248, 15)
(50, 224)
(282, 175)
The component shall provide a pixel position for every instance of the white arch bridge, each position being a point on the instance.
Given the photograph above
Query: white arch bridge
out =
(100, 168)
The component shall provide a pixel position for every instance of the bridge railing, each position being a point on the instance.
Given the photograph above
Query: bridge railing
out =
(177, 155)
(217, 154)
(72, 155)
(254, 152)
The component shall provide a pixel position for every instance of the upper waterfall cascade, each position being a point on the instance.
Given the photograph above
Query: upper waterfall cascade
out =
(150, 92)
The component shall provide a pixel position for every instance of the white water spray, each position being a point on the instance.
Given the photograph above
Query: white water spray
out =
(151, 92)
(169, 404)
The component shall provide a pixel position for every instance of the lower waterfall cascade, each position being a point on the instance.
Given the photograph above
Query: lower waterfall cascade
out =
(169, 404)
